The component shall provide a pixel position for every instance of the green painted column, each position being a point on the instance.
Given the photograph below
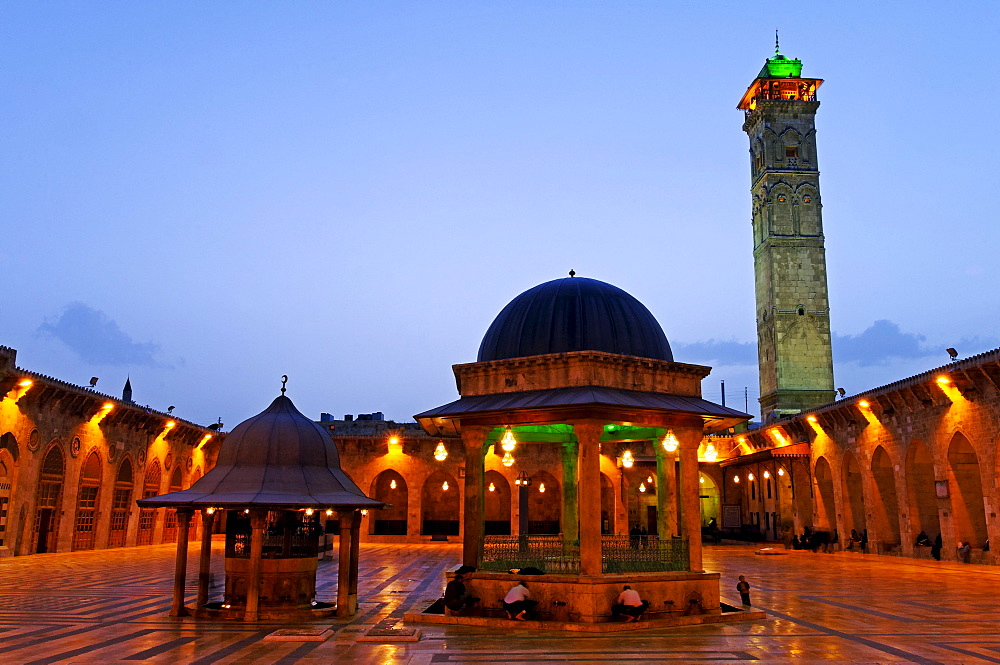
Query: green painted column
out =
(570, 517)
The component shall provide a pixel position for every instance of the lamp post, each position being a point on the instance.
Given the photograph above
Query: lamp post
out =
(523, 482)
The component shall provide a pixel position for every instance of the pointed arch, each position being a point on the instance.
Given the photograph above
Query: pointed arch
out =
(966, 490)
(497, 504)
(885, 506)
(147, 516)
(826, 510)
(544, 504)
(920, 493)
(48, 500)
(708, 495)
(121, 503)
(390, 486)
(170, 518)
(440, 502)
(87, 497)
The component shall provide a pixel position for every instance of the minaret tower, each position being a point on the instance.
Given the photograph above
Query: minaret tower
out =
(793, 311)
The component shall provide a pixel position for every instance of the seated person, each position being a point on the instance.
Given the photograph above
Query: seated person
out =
(517, 603)
(922, 540)
(629, 605)
(456, 598)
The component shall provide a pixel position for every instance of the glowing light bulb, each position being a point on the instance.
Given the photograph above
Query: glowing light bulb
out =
(541, 487)
(642, 487)
(27, 383)
(649, 479)
(811, 419)
(943, 379)
(440, 453)
(309, 512)
(781, 471)
(108, 406)
(392, 484)
(736, 479)
(492, 487)
(170, 423)
(210, 511)
(508, 442)
(508, 459)
(627, 459)
(329, 512)
(364, 511)
(750, 477)
(863, 404)
(711, 454)
(701, 479)
(767, 474)
(670, 441)
(444, 486)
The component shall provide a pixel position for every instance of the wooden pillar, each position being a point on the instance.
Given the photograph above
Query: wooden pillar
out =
(180, 563)
(588, 435)
(474, 440)
(258, 519)
(570, 519)
(204, 563)
(352, 586)
(344, 565)
(690, 439)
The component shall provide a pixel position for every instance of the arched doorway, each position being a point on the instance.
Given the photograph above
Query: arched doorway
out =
(439, 505)
(826, 512)
(390, 487)
(8, 458)
(147, 516)
(544, 504)
(48, 502)
(966, 489)
(920, 491)
(84, 530)
(607, 505)
(887, 506)
(120, 503)
(170, 518)
(854, 497)
(708, 493)
(497, 505)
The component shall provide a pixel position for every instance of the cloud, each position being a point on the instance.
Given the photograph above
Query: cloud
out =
(717, 352)
(879, 344)
(96, 338)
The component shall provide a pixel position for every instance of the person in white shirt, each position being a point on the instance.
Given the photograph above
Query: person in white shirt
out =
(629, 605)
(518, 602)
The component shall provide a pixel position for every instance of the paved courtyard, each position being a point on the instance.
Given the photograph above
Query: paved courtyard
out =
(110, 607)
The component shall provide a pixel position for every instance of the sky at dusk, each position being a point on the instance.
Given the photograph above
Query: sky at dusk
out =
(206, 196)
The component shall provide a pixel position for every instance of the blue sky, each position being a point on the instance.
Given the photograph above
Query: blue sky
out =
(206, 196)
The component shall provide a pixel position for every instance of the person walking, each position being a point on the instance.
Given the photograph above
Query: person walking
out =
(744, 590)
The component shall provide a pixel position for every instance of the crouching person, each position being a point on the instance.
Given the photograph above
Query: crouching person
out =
(629, 605)
(456, 599)
(518, 603)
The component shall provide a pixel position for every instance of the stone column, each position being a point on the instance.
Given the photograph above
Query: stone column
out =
(666, 492)
(588, 436)
(258, 518)
(204, 563)
(180, 564)
(690, 439)
(570, 519)
(474, 440)
(344, 565)
(352, 585)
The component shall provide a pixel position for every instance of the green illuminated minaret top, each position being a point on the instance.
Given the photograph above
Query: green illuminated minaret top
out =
(780, 67)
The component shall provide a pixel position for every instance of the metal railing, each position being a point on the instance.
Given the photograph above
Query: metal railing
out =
(643, 554)
(547, 553)
(551, 555)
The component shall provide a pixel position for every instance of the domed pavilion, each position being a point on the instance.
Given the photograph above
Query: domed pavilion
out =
(277, 480)
(582, 362)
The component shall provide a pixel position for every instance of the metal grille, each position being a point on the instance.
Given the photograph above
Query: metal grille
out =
(547, 553)
(170, 526)
(643, 554)
(83, 532)
(147, 521)
(287, 535)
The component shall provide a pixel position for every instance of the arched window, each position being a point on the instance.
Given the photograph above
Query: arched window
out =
(170, 522)
(147, 516)
(47, 504)
(120, 504)
(86, 503)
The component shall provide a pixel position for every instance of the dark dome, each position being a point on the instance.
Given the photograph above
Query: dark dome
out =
(574, 314)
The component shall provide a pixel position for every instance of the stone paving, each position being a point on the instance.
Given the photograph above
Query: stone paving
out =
(110, 606)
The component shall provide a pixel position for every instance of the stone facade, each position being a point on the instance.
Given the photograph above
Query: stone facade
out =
(73, 461)
(920, 454)
(793, 311)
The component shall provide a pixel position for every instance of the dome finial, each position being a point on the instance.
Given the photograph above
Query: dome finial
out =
(572, 273)
(284, 380)
(776, 51)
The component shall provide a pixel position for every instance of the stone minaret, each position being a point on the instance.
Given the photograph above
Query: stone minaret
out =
(793, 311)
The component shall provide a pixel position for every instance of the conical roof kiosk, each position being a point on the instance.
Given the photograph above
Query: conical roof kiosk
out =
(277, 473)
